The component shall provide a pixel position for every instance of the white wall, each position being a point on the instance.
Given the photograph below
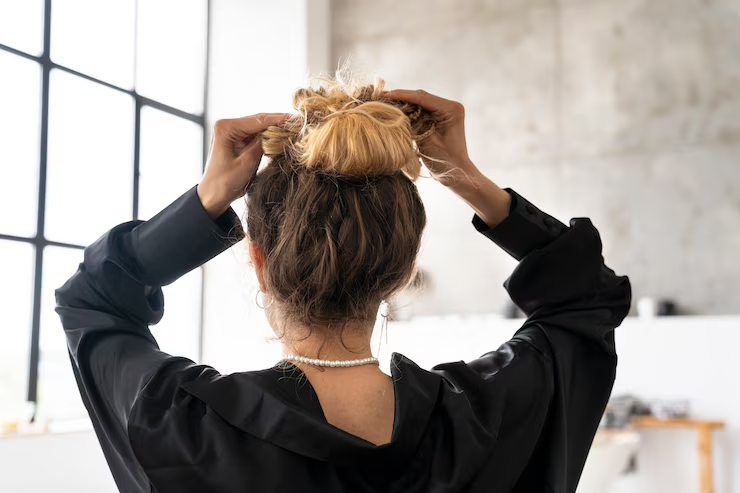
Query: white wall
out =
(260, 53)
(59, 463)
(686, 357)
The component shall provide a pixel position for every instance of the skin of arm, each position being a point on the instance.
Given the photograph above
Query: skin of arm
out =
(487, 199)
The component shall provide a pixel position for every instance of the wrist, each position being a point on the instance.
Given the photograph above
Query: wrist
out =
(459, 175)
(212, 202)
(469, 183)
(489, 201)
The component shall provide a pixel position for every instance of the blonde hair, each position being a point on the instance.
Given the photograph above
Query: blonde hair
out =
(351, 130)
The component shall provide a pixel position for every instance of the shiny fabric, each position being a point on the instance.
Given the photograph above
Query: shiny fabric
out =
(520, 418)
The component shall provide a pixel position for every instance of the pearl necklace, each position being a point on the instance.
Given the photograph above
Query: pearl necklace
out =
(329, 363)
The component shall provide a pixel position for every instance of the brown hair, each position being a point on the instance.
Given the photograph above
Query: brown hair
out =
(335, 211)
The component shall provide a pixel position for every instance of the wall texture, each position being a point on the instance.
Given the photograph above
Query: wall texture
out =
(626, 111)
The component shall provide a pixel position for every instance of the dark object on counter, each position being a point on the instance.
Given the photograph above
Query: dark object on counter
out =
(667, 308)
(670, 409)
(648, 307)
(510, 310)
(620, 410)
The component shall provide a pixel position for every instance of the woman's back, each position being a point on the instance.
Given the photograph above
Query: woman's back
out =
(520, 418)
(358, 400)
(274, 436)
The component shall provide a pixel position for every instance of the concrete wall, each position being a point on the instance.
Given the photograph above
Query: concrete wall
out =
(626, 111)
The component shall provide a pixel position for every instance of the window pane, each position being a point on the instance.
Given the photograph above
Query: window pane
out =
(179, 331)
(20, 98)
(96, 38)
(170, 161)
(171, 52)
(22, 25)
(58, 396)
(16, 293)
(90, 163)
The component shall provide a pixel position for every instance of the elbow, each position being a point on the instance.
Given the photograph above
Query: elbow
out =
(627, 294)
(622, 299)
(62, 296)
(74, 293)
(611, 306)
(65, 294)
(65, 305)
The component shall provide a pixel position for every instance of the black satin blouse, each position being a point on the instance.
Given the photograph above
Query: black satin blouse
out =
(519, 418)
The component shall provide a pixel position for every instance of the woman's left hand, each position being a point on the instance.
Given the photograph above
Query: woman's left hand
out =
(236, 150)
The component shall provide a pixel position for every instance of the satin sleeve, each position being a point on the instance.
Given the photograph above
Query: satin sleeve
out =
(106, 309)
(573, 303)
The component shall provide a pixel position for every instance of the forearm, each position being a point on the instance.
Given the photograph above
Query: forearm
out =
(212, 201)
(486, 198)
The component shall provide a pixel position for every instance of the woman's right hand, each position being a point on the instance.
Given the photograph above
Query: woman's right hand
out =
(445, 152)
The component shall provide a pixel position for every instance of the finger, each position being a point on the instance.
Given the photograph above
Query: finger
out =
(251, 154)
(427, 101)
(231, 136)
(210, 146)
(254, 124)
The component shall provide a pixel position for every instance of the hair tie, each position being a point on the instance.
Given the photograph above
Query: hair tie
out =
(426, 134)
(414, 115)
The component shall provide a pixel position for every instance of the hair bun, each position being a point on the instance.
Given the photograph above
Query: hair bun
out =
(352, 131)
(368, 140)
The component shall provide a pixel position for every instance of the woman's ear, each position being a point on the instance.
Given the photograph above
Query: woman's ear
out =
(258, 260)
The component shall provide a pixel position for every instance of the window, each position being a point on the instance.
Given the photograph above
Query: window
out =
(101, 122)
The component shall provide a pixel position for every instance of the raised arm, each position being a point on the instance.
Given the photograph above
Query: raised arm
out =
(573, 303)
(108, 304)
(556, 374)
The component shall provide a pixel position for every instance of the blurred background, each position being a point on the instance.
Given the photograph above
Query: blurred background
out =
(625, 111)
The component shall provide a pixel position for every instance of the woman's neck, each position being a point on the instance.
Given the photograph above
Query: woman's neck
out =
(357, 399)
(349, 341)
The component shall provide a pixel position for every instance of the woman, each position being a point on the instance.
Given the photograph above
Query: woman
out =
(335, 223)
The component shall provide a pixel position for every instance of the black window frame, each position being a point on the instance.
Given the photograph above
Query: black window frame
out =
(38, 240)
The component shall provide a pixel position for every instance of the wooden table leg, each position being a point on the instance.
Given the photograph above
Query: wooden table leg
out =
(703, 429)
(706, 483)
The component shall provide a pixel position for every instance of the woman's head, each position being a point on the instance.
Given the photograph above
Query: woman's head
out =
(335, 219)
